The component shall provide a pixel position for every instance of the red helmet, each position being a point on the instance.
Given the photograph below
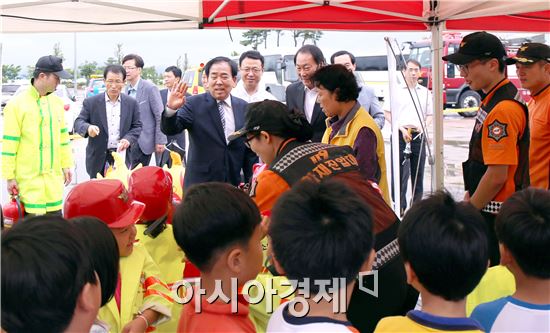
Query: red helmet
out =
(13, 211)
(152, 186)
(106, 199)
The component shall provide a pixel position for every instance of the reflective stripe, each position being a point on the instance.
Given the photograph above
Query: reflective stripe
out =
(151, 292)
(64, 130)
(8, 154)
(12, 138)
(492, 207)
(48, 204)
(65, 143)
(51, 136)
(153, 280)
(41, 121)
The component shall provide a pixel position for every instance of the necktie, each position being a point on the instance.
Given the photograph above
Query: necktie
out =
(222, 113)
(131, 91)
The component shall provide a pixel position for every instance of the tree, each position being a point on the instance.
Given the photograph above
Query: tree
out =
(279, 34)
(57, 51)
(253, 38)
(118, 53)
(111, 61)
(265, 33)
(150, 73)
(10, 72)
(88, 68)
(30, 71)
(313, 35)
(297, 34)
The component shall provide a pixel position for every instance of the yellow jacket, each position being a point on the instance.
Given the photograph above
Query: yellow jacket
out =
(359, 118)
(35, 149)
(141, 289)
(171, 261)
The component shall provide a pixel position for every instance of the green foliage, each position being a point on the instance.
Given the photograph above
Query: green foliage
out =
(89, 68)
(150, 73)
(253, 38)
(57, 51)
(10, 72)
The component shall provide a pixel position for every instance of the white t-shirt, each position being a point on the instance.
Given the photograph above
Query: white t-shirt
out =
(509, 314)
(407, 114)
(283, 321)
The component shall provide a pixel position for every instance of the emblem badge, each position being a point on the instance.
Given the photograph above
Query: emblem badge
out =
(497, 130)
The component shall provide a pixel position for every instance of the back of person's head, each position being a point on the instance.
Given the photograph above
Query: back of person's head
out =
(175, 70)
(341, 53)
(211, 218)
(315, 52)
(103, 248)
(217, 60)
(445, 243)
(337, 79)
(252, 54)
(276, 119)
(523, 227)
(115, 69)
(321, 231)
(137, 59)
(45, 270)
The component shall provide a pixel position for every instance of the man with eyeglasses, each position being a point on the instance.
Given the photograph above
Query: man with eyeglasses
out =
(302, 95)
(251, 66)
(533, 68)
(498, 162)
(148, 97)
(110, 121)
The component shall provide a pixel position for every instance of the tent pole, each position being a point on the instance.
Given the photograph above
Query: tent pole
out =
(437, 89)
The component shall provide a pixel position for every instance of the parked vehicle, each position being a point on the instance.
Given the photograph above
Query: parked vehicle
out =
(95, 86)
(193, 78)
(8, 91)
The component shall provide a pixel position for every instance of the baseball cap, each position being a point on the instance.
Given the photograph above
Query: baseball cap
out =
(52, 64)
(530, 53)
(477, 45)
(268, 115)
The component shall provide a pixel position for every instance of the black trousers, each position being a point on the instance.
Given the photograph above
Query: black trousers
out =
(412, 168)
(137, 156)
(494, 253)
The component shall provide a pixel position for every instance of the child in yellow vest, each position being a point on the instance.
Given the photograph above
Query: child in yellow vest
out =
(141, 299)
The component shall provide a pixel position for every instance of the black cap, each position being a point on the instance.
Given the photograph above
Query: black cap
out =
(269, 116)
(52, 64)
(530, 53)
(477, 45)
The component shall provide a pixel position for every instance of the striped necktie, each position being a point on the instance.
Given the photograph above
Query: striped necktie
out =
(222, 113)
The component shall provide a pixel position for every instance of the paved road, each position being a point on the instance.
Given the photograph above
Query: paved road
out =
(457, 132)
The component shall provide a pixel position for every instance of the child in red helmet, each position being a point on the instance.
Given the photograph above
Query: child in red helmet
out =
(142, 300)
(153, 186)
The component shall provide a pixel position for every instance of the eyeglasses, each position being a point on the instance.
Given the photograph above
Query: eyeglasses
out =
(247, 140)
(113, 82)
(129, 67)
(254, 70)
(466, 67)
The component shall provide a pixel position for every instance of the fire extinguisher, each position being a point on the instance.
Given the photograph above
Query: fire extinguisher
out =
(13, 210)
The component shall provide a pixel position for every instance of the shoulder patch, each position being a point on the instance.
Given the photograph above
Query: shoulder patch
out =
(497, 130)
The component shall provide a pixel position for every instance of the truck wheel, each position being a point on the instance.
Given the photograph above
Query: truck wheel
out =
(469, 99)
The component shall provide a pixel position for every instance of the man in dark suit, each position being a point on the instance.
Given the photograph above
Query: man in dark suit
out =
(172, 75)
(302, 95)
(209, 119)
(110, 120)
(147, 95)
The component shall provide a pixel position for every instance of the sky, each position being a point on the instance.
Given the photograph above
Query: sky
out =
(162, 48)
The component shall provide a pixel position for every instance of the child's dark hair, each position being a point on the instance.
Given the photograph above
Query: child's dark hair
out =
(523, 226)
(212, 217)
(45, 266)
(321, 231)
(446, 245)
(101, 242)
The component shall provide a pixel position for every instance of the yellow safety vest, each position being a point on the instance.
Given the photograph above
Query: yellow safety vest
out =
(359, 120)
(35, 149)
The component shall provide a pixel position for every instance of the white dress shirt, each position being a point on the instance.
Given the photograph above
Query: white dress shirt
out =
(113, 121)
(406, 108)
(229, 117)
(309, 101)
(258, 96)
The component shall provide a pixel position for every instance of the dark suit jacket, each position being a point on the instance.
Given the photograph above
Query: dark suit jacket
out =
(179, 138)
(295, 97)
(94, 113)
(209, 157)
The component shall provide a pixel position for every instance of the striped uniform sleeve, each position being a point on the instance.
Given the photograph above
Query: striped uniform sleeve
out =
(65, 151)
(10, 140)
(157, 294)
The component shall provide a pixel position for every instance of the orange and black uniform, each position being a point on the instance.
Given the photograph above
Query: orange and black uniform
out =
(297, 161)
(539, 148)
(500, 137)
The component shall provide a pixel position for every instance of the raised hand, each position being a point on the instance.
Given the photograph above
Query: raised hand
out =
(177, 96)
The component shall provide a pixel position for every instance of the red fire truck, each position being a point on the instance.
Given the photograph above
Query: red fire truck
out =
(456, 93)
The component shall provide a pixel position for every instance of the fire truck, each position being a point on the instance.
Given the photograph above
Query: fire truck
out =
(456, 93)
